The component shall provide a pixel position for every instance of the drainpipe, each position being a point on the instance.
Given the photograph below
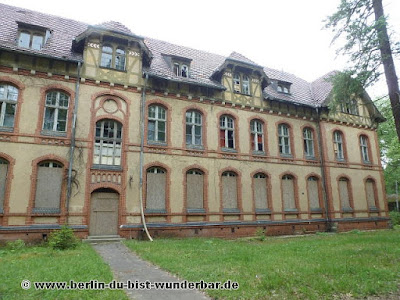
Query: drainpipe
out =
(323, 173)
(72, 146)
(142, 112)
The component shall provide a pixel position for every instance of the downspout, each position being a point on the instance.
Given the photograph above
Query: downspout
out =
(323, 174)
(142, 112)
(73, 133)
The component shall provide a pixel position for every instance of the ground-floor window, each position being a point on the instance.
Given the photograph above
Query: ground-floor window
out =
(195, 190)
(3, 179)
(229, 192)
(260, 191)
(313, 193)
(344, 194)
(288, 193)
(156, 190)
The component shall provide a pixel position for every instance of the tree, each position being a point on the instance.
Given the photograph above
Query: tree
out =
(390, 150)
(364, 26)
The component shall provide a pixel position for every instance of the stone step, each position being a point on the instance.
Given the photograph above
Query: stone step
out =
(103, 239)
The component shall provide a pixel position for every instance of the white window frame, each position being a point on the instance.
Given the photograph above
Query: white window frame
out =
(338, 145)
(257, 130)
(236, 83)
(245, 85)
(57, 107)
(308, 137)
(284, 139)
(157, 119)
(364, 148)
(193, 124)
(5, 101)
(105, 142)
(227, 124)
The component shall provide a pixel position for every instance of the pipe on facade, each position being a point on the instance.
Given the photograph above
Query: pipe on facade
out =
(142, 112)
(73, 133)
(323, 173)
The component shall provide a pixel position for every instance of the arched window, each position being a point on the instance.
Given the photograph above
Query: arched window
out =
(106, 56)
(8, 105)
(108, 140)
(370, 190)
(229, 192)
(194, 128)
(157, 124)
(195, 190)
(120, 59)
(3, 179)
(308, 139)
(260, 186)
(49, 180)
(284, 139)
(56, 111)
(227, 132)
(313, 193)
(288, 193)
(338, 145)
(156, 185)
(344, 193)
(364, 148)
(246, 85)
(257, 136)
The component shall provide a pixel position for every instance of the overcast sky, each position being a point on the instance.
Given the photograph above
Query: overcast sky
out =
(285, 34)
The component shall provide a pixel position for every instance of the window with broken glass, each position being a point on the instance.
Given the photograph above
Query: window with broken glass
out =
(8, 104)
(108, 140)
(227, 132)
(56, 111)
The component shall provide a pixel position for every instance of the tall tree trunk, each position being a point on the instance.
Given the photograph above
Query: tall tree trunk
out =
(388, 64)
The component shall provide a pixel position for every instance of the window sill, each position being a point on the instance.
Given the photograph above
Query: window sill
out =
(155, 211)
(106, 167)
(373, 209)
(239, 93)
(367, 163)
(347, 210)
(289, 156)
(316, 210)
(46, 211)
(259, 153)
(263, 211)
(231, 211)
(228, 150)
(195, 147)
(113, 69)
(6, 129)
(289, 211)
(155, 143)
(196, 211)
(53, 133)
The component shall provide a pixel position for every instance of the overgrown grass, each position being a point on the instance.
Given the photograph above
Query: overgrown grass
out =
(41, 263)
(310, 267)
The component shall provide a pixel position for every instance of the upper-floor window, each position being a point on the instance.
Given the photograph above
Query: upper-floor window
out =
(349, 107)
(113, 57)
(181, 70)
(364, 148)
(32, 40)
(56, 111)
(241, 84)
(338, 145)
(157, 123)
(108, 140)
(283, 88)
(284, 139)
(227, 132)
(193, 128)
(308, 139)
(257, 135)
(8, 103)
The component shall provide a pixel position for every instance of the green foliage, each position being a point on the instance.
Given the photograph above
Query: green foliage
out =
(260, 234)
(389, 145)
(395, 217)
(16, 245)
(63, 239)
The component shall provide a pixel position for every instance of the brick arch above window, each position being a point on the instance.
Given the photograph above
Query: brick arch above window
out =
(228, 138)
(154, 126)
(285, 139)
(11, 100)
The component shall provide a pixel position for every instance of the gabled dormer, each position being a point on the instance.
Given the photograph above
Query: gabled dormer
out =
(112, 53)
(179, 65)
(244, 80)
(32, 36)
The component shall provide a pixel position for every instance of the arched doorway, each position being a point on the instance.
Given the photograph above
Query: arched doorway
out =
(104, 212)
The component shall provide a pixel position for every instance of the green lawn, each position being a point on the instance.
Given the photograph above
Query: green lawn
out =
(311, 267)
(44, 264)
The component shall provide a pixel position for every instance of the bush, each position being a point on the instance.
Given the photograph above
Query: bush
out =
(260, 234)
(395, 217)
(16, 245)
(63, 239)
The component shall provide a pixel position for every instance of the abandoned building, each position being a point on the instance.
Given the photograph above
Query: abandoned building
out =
(102, 129)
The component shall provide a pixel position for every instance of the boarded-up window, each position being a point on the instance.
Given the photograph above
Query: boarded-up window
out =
(48, 187)
(370, 190)
(195, 190)
(156, 190)
(229, 192)
(344, 194)
(289, 202)
(313, 194)
(3, 179)
(260, 191)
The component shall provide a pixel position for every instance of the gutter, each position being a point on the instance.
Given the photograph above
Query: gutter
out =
(142, 112)
(73, 133)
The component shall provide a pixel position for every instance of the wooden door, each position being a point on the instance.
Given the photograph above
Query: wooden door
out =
(104, 214)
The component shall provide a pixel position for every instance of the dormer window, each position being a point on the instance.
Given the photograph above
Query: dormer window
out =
(283, 88)
(181, 70)
(113, 57)
(32, 36)
(241, 84)
(350, 107)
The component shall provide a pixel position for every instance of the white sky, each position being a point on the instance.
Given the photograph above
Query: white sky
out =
(284, 34)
